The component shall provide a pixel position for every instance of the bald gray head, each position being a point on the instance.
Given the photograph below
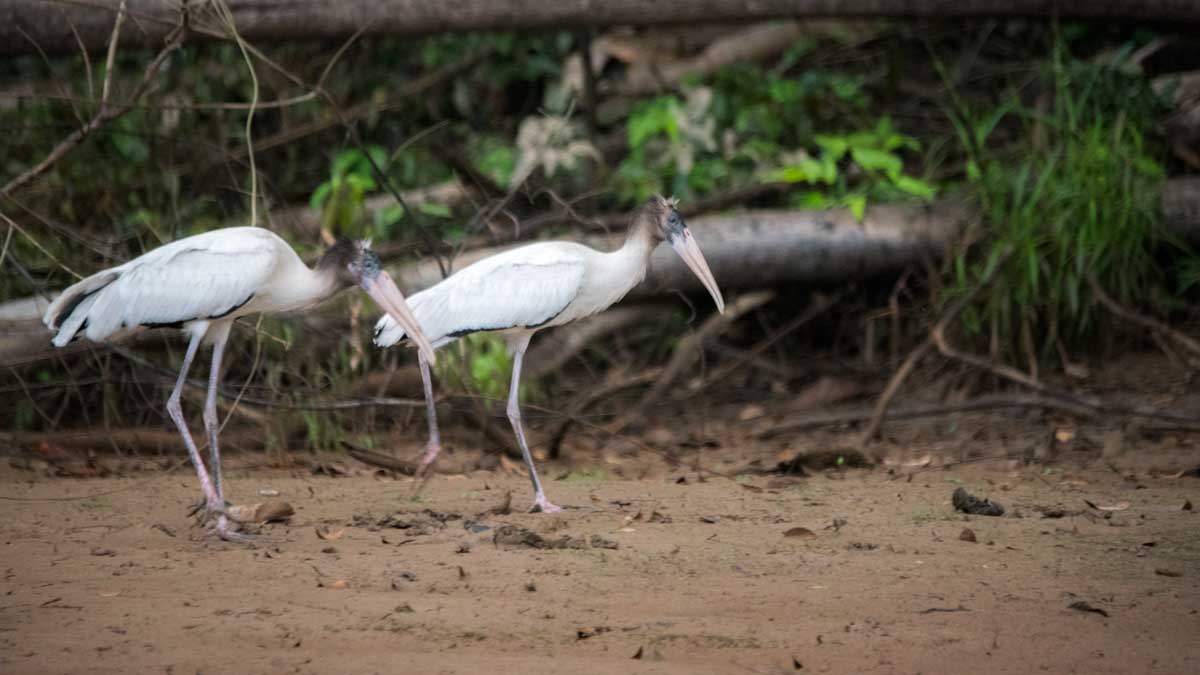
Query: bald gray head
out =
(351, 261)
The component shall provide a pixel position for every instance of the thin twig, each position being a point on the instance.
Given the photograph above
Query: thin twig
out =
(110, 62)
(922, 350)
(1141, 319)
(590, 398)
(1177, 421)
(106, 113)
(688, 348)
(226, 16)
(859, 414)
(815, 309)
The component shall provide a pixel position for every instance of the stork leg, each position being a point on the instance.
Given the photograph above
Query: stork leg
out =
(434, 446)
(175, 411)
(220, 335)
(212, 423)
(518, 345)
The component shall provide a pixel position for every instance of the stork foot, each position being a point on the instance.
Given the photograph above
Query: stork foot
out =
(205, 510)
(543, 505)
(227, 531)
(432, 449)
(424, 469)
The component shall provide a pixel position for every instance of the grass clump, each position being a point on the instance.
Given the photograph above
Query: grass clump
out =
(1074, 196)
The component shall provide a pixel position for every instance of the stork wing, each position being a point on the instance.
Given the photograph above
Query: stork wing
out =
(198, 278)
(517, 291)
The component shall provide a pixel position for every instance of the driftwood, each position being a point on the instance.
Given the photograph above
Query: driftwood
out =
(29, 26)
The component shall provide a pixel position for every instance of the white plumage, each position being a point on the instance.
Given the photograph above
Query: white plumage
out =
(522, 290)
(221, 274)
(202, 284)
(527, 287)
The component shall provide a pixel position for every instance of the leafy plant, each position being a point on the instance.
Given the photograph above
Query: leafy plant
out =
(340, 199)
(1075, 197)
(871, 159)
(672, 148)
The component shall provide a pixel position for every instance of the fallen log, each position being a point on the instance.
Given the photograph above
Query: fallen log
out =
(32, 26)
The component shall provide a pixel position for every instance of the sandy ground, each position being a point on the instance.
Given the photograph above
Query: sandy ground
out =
(696, 577)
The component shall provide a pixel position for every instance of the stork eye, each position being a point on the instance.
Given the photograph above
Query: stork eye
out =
(370, 264)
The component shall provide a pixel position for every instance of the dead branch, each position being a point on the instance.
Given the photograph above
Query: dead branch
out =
(923, 349)
(142, 439)
(107, 112)
(592, 397)
(381, 460)
(689, 348)
(1098, 406)
(1132, 315)
(357, 111)
(53, 26)
(815, 309)
(747, 45)
(859, 414)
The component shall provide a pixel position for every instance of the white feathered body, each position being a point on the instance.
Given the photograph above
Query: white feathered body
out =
(189, 283)
(524, 289)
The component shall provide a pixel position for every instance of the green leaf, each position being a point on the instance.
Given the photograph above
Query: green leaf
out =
(857, 205)
(320, 196)
(345, 161)
(828, 170)
(916, 187)
(877, 160)
(435, 209)
(388, 216)
(973, 172)
(131, 148)
(813, 200)
(835, 146)
(361, 183)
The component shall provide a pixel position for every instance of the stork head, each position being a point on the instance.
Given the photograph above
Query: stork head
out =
(660, 215)
(355, 264)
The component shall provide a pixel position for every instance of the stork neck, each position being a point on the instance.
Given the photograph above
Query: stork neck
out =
(639, 244)
(627, 265)
(301, 286)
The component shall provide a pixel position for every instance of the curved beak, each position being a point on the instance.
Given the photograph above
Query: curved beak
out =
(681, 240)
(384, 292)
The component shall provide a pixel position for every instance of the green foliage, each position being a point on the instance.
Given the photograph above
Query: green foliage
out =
(857, 166)
(494, 157)
(766, 123)
(480, 364)
(672, 149)
(1077, 195)
(351, 178)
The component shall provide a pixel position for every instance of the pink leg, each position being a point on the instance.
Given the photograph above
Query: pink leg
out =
(434, 446)
(175, 411)
(540, 503)
(224, 528)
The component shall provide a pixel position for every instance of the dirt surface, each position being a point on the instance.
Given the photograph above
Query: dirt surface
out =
(839, 573)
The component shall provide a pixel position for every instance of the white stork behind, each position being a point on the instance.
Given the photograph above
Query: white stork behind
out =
(523, 290)
(202, 284)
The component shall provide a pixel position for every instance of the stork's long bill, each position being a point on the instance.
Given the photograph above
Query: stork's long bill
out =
(680, 238)
(383, 291)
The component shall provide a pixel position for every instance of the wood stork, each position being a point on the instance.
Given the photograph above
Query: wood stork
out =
(203, 283)
(523, 290)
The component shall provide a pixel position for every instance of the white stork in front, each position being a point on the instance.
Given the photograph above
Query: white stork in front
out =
(523, 290)
(202, 284)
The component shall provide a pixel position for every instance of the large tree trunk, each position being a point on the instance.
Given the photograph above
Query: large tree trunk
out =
(62, 25)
